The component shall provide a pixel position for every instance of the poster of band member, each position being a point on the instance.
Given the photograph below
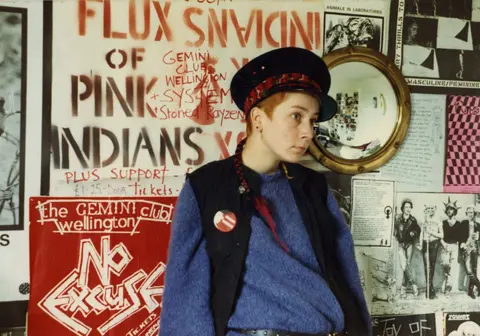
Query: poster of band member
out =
(150, 100)
(435, 255)
(461, 323)
(355, 24)
(406, 325)
(437, 44)
(93, 271)
(372, 212)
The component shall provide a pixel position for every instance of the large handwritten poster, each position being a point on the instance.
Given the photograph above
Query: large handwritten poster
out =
(419, 163)
(140, 89)
(97, 265)
(406, 325)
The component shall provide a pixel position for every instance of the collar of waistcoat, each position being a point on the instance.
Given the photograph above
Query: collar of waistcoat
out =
(295, 170)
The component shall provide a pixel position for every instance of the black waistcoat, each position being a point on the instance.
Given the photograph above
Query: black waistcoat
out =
(216, 187)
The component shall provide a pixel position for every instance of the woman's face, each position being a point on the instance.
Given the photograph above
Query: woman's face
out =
(407, 208)
(290, 130)
(450, 212)
(470, 213)
(430, 211)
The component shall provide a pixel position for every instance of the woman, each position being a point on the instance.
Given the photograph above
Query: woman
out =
(258, 243)
(407, 231)
(431, 235)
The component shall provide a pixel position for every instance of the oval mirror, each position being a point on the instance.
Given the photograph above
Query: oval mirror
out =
(373, 112)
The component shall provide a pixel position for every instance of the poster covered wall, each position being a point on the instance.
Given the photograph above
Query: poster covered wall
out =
(150, 99)
(136, 95)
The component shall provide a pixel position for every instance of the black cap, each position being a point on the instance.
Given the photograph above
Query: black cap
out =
(281, 70)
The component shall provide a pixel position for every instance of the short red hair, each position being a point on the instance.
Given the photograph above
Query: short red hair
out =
(267, 105)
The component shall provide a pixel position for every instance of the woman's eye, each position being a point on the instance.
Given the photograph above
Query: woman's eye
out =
(296, 116)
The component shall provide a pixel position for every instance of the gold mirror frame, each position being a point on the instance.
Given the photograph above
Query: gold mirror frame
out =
(402, 92)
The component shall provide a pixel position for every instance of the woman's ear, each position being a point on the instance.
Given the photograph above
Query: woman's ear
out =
(256, 116)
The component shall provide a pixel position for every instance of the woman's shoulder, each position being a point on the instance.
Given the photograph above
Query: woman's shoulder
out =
(414, 219)
(211, 177)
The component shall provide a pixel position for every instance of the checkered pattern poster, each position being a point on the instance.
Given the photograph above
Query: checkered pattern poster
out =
(463, 144)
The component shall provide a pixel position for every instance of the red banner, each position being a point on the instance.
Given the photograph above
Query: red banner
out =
(97, 265)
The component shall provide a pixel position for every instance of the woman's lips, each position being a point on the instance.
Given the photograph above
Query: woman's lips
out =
(299, 148)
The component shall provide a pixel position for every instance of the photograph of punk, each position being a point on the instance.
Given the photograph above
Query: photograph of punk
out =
(468, 328)
(267, 252)
(441, 39)
(436, 243)
(462, 323)
(11, 101)
(343, 30)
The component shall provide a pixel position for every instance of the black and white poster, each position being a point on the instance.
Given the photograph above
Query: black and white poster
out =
(21, 99)
(13, 25)
(351, 24)
(462, 323)
(13, 332)
(436, 44)
(382, 274)
(407, 325)
(434, 257)
(341, 187)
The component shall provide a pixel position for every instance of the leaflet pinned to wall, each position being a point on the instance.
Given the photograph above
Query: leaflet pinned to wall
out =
(356, 23)
(372, 212)
(419, 163)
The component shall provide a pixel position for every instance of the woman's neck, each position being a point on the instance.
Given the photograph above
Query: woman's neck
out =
(259, 157)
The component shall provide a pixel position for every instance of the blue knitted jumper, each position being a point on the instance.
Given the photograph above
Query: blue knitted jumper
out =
(283, 291)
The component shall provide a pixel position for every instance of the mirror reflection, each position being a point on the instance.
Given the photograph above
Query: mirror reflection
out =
(367, 114)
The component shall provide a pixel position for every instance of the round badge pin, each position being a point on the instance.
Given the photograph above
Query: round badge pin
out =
(225, 220)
